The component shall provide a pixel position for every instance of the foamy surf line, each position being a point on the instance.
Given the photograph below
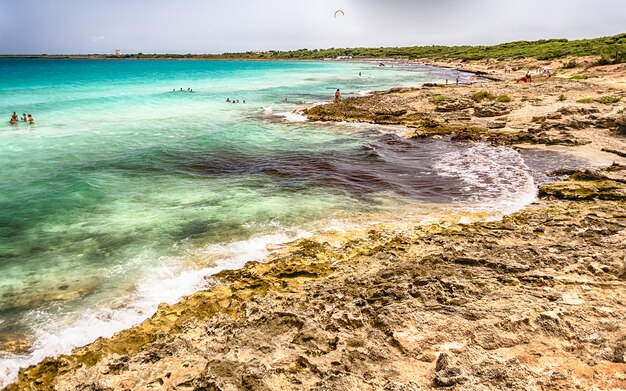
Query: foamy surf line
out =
(169, 287)
(489, 170)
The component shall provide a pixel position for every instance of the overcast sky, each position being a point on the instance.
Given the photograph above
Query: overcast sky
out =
(212, 26)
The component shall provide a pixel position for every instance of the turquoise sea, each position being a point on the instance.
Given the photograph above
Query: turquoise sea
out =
(125, 194)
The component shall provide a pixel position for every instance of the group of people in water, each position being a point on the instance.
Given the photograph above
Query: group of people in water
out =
(228, 100)
(15, 119)
(181, 90)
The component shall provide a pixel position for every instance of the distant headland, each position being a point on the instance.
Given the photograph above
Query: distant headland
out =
(610, 49)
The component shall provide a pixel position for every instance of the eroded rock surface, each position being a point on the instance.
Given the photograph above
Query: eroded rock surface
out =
(503, 113)
(533, 302)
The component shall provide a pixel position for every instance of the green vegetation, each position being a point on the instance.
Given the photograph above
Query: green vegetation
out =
(503, 98)
(439, 98)
(584, 100)
(579, 77)
(607, 100)
(611, 49)
(562, 98)
(482, 95)
(570, 65)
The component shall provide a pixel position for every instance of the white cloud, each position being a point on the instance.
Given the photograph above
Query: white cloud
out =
(97, 38)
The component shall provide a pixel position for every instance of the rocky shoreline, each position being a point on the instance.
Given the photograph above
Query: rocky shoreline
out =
(535, 301)
(552, 112)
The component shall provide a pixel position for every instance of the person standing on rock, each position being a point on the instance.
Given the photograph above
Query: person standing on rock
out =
(337, 96)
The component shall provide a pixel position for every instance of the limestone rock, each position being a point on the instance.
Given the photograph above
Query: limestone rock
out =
(454, 104)
(496, 125)
(570, 110)
(491, 110)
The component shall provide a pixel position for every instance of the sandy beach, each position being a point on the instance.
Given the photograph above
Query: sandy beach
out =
(532, 302)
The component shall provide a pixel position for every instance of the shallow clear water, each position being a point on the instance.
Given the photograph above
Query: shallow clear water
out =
(125, 194)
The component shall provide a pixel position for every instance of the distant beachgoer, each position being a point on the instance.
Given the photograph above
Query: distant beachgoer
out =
(31, 120)
(457, 79)
(446, 81)
(529, 77)
(12, 121)
(181, 88)
(237, 101)
(337, 95)
(190, 90)
(285, 99)
(244, 101)
(359, 74)
(24, 117)
(227, 100)
(173, 89)
(14, 116)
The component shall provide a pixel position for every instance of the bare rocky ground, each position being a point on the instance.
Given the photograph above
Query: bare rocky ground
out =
(545, 112)
(536, 301)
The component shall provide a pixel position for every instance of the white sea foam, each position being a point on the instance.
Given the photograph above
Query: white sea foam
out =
(497, 177)
(164, 283)
(292, 116)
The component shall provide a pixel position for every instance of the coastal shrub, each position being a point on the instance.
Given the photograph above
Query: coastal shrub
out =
(579, 77)
(562, 97)
(439, 98)
(615, 54)
(482, 95)
(584, 100)
(607, 100)
(503, 99)
(570, 65)
(609, 48)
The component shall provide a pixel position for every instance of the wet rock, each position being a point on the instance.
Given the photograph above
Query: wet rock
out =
(466, 136)
(391, 112)
(585, 185)
(615, 151)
